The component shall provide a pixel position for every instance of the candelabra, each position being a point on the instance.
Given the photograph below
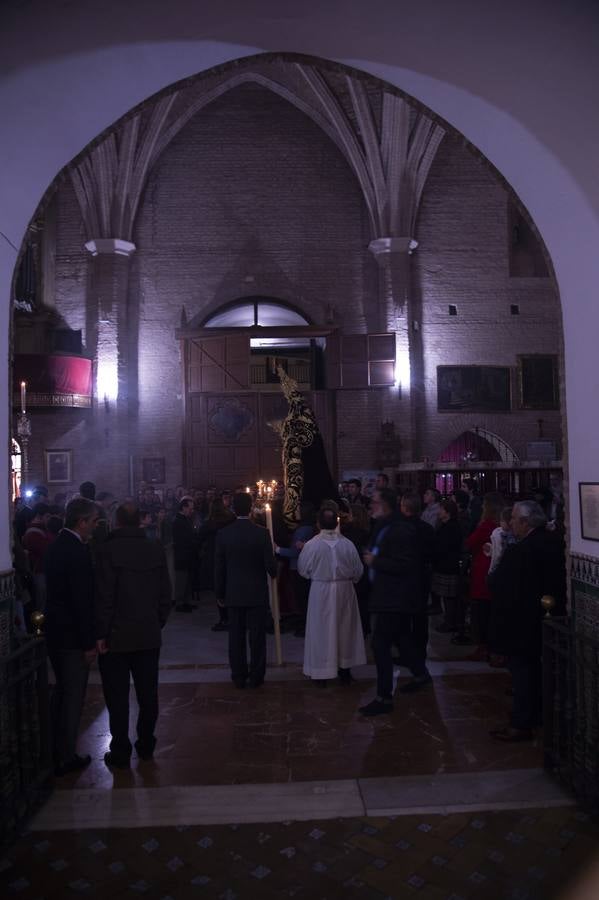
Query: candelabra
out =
(24, 433)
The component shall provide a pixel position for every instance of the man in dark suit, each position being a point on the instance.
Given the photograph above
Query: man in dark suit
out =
(133, 600)
(69, 628)
(243, 559)
(531, 568)
(396, 574)
(185, 554)
(410, 508)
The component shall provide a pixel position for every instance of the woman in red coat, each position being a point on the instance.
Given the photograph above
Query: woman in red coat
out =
(480, 597)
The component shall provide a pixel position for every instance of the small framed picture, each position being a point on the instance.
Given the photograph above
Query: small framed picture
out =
(59, 466)
(589, 510)
(153, 470)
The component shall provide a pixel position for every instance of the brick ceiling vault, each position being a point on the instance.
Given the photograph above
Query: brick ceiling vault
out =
(388, 145)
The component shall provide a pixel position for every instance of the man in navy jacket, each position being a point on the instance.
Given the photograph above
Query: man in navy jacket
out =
(70, 628)
(244, 557)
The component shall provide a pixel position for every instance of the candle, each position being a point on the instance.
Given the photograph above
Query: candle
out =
(268, 511)
(247, 490)
(23, 396)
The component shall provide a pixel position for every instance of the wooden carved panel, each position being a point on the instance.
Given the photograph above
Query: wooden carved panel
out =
(229, 441)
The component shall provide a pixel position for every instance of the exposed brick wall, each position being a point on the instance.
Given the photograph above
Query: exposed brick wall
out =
(462, 259)
(251, 198)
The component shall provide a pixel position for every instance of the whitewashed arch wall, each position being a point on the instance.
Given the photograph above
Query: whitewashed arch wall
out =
(519, 80)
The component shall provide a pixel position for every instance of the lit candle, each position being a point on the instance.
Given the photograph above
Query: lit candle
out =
(268, 511)
(247, 490)
(23, 397)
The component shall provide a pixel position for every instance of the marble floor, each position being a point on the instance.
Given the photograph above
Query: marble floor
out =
(289, 730)
(212, 733)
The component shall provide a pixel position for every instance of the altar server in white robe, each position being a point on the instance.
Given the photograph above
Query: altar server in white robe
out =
(334, 638)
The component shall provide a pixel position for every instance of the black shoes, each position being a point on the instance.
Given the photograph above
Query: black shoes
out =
(377, 707)
(345, 676)
(73, 765)
(256, 682)
(115, 763)
(143, 752)
(220, 626)
(239, 683)
(512, 735)
(416, 684)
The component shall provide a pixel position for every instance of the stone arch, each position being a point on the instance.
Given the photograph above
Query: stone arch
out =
(480, 440)
(524, 133)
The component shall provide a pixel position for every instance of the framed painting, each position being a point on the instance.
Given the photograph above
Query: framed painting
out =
(59, 466)
(589, 510)
(154, 470)
(473, 389)
(538, 382)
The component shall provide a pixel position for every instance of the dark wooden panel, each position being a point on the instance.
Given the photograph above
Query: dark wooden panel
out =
(354, 375)
(381, 347)
(354, 348)
(381, 374)
(221, 458)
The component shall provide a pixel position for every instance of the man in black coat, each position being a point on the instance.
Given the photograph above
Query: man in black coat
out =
(185, 554)
(69, 628)
(243, 559)
(133, 601)
(531, 568)
(411, 508)
(396, 573)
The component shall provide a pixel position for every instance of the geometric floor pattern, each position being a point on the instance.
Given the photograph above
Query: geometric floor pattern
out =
(525, 855)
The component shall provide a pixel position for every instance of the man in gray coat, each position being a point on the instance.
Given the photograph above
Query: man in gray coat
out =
(133, 602)
(243, 559)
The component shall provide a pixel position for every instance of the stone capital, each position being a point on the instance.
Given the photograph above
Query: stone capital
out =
(110, 246)
(384, 249)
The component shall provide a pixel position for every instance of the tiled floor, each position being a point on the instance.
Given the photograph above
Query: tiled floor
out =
(534, 855)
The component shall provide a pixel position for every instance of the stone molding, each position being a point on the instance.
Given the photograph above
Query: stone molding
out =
(110, 246)
(385, 248)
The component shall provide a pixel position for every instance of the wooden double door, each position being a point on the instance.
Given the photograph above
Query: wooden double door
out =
(228, 438)
(230, 441)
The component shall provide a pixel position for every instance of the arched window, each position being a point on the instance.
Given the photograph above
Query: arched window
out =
(252, 311)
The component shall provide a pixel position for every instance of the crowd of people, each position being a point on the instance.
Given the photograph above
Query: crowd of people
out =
(107, 575)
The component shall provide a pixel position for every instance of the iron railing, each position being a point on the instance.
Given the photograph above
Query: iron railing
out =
(25, 748)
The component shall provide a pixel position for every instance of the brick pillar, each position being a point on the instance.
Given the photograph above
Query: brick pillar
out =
(399, 311)
(115, 386)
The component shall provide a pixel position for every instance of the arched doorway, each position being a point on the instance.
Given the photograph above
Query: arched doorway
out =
(232, 395)
(528, 163)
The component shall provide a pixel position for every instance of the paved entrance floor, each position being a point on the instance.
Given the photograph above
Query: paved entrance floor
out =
(535, 855)
(287, 791)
